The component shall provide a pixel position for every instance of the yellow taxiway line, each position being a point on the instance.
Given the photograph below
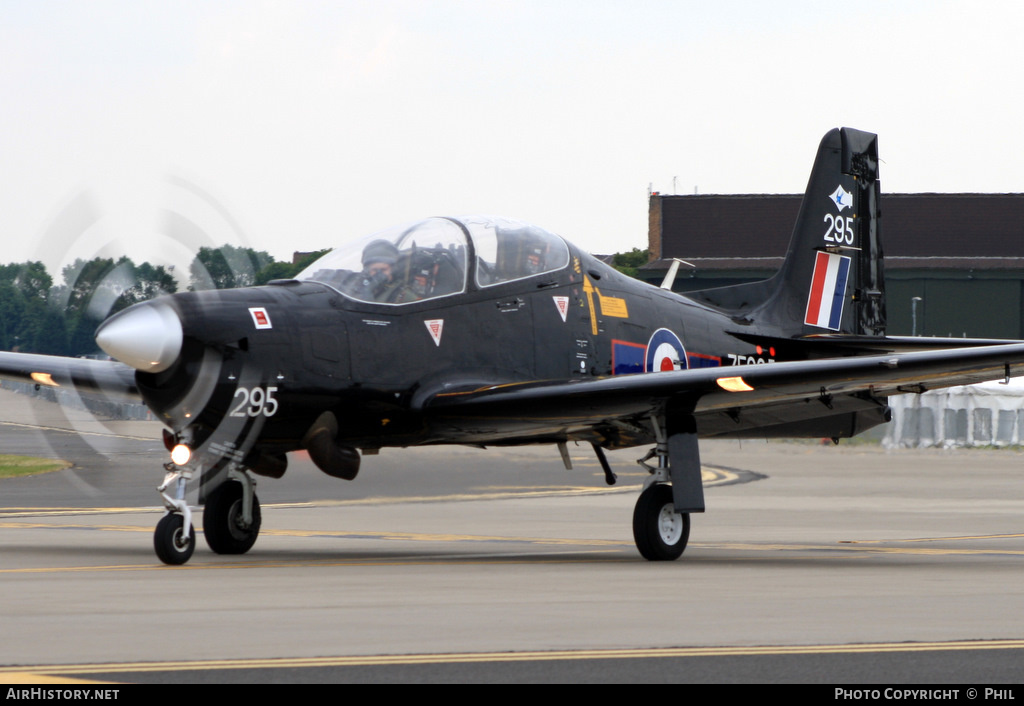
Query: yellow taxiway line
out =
(41, 671)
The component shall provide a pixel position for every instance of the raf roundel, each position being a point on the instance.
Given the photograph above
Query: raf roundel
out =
(665, 352)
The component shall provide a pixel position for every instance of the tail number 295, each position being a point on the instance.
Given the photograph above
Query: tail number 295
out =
(255, 401)
(840, 229)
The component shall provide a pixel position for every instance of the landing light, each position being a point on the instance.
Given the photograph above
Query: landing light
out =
(181, 454)
(43, 379)
(735, 384)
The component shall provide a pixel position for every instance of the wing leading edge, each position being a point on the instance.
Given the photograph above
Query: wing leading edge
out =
(754, 397)
(109, 378)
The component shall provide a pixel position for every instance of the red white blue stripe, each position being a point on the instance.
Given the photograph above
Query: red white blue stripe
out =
(828, 291)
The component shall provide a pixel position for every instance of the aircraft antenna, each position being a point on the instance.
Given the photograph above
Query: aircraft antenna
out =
(670, 276)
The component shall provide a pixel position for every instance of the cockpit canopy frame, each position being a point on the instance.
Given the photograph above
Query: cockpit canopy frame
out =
(438, 257)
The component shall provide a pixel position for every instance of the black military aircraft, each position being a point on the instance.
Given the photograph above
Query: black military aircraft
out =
(488, 331)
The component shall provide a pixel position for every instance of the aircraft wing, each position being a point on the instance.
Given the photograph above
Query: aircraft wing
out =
(106, 377)
(749, 397)
(831, 345)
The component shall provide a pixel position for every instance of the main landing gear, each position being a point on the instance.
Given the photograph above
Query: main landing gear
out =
(659, 531)
(229, 526)
(231, 517)
(661, 518)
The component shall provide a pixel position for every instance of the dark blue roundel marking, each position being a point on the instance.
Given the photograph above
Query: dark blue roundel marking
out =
(665, 352)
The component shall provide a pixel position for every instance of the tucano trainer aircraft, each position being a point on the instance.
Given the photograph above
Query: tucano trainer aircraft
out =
(489, 331)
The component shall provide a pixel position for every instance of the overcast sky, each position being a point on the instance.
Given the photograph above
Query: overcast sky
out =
(146, 128)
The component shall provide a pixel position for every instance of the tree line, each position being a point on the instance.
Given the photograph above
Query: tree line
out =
(38, 315)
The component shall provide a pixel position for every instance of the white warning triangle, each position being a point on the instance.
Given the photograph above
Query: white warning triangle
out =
(562, 304)
(435, 326)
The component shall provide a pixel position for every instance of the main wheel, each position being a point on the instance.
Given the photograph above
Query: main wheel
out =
(225, 531)
(659, 531)
(169, 540)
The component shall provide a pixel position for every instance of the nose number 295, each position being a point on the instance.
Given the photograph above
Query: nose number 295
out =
(255, 401)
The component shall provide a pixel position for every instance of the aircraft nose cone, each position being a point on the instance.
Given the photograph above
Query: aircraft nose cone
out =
(146, 336)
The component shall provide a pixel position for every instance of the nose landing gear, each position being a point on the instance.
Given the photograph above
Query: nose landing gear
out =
(175, 539)
(231, 517)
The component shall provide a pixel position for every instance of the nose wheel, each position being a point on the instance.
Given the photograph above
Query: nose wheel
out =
(172, 543)
(174, 539)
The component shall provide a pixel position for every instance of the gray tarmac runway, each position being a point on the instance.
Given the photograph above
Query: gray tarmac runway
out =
(839, 564)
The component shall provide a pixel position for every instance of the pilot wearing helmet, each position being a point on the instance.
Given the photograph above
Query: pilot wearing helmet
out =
(535, 255)
(532, 256)
(386, 276)
(376, 280)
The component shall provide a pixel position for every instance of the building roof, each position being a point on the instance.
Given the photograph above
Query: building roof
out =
(926, 231)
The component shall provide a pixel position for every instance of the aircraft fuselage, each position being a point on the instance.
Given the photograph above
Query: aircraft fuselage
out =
(283, 354)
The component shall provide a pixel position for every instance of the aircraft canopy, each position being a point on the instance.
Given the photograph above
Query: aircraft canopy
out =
(438, 257)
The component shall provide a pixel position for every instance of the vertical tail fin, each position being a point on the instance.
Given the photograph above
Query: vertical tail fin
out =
(831, 279)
